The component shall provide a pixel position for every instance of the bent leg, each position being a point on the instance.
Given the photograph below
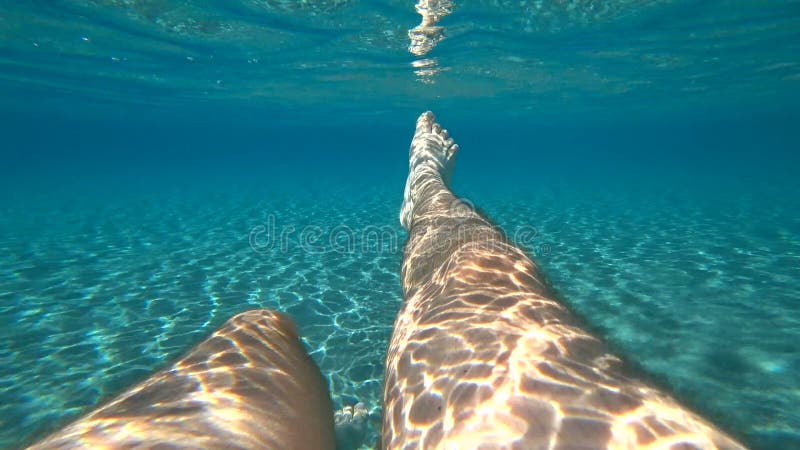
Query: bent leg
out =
(484, 356)
(251, 385)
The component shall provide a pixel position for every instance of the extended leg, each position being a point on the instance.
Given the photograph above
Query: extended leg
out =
(484, 356)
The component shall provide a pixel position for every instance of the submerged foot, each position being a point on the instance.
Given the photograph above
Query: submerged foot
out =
(432, 153)
(351, 426)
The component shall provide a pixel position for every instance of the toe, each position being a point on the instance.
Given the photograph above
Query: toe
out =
(360, 411)
(426, 121)
(452, 150)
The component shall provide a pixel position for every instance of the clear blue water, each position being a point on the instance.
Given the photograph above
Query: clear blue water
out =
(146, 145)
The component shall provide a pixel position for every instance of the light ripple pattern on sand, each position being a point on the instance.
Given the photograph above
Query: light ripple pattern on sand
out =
(700, 290)
(101, 296)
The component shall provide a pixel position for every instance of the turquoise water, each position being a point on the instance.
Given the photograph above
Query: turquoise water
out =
(154, 153)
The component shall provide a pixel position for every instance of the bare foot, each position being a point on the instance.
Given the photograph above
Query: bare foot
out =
(351, 426)
(432, 150)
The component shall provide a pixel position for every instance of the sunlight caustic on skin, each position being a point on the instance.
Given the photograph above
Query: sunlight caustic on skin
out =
(482, 353)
